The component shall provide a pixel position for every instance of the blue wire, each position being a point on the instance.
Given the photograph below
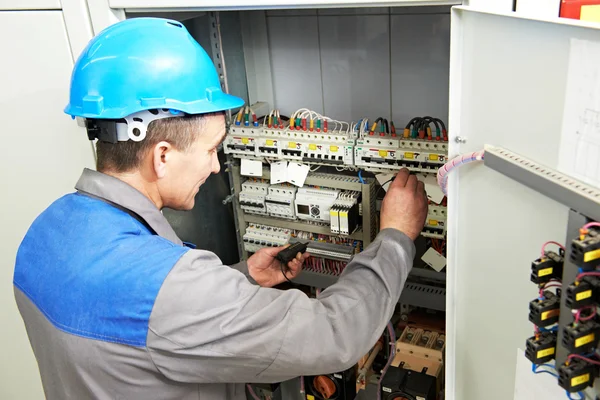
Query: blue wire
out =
(581, 395)
(555, 329)
(360, 176)
(535, 371)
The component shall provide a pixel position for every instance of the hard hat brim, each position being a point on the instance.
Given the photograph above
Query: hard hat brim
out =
(220, 102)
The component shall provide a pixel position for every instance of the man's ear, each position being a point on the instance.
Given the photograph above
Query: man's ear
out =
(161, 154)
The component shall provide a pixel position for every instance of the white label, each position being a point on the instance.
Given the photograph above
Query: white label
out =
(297, 173)
(279, 172)
(420, 398)
(434, 193)
(434, 259)
(251, 167)
(387, 390)
(337, 376)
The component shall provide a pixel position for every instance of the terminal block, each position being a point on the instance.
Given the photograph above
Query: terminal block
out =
(582, 337)
(545, 311)
(541, 348)
(576, 375)
(548, 267)
(585, 251)
(582, 293)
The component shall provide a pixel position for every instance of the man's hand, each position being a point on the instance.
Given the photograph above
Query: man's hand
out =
(266, 270)
(405, 205)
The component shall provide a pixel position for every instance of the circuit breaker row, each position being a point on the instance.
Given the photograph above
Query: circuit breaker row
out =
(418, 149)
(582, 336)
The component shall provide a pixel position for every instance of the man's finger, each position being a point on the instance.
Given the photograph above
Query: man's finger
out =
(401, 178)
(420, 187)
(411, 183)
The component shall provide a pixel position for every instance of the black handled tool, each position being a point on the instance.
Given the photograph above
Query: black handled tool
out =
(288, 254)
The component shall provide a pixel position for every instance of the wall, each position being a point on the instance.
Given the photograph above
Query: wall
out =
(44, 153)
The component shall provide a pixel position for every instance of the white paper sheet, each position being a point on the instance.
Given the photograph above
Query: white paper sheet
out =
(579, 154)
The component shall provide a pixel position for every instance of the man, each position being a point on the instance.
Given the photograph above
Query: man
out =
(116, 307)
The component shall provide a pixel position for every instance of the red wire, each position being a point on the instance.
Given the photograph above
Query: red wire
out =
(587, 274)
(578, 314)
(584, 358)
(551, 242)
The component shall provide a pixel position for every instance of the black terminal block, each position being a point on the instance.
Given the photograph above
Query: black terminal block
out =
(585, 253)
(541, 349)
(545, 311)
(576, 375)
(289, 253)
(548, 267)
(582, 293)
(581, 338)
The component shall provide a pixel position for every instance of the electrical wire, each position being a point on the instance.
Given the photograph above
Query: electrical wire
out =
(360, 178)
(442, 175)
(392, 336)
(254, 396)
(589, 360)
(578, 316)
(591, 224)
(580, 394)
(551, 242)
(382, 187)
(534, 369)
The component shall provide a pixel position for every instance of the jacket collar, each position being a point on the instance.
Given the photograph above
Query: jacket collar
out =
(116, 191)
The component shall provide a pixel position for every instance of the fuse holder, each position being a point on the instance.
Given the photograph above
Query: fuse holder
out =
(548, 267)
(576, 374)
(545, 311)
(581, 338)
(582, 293)
(541, 348)
(585, 251)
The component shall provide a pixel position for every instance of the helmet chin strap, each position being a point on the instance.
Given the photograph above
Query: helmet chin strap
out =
(136, 124)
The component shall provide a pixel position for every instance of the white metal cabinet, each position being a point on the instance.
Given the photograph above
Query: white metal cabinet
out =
(508, 76)
(508, 79)
(44, 153)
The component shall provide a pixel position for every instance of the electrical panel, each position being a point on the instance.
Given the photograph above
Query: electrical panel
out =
(258, 236)
(253, 196)
(280, 201)
(580, 298)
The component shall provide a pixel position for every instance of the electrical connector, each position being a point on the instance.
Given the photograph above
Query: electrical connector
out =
(541, 348)
(548, 267)
(585, 251)
(582, 293)
(576, 375)
(582, 337)
(545, 311)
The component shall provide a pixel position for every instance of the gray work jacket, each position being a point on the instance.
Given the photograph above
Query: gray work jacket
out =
(117, 308)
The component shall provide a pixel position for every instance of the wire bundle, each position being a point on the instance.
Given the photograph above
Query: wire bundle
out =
(324, 266)
(273, 120)
(442, 175)
(305, 119)
(420, 127)
(244, 114)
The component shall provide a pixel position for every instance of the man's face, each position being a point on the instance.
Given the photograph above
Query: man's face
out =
(187, 171)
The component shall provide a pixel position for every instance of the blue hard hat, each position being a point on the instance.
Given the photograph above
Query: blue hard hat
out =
(142, 64)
